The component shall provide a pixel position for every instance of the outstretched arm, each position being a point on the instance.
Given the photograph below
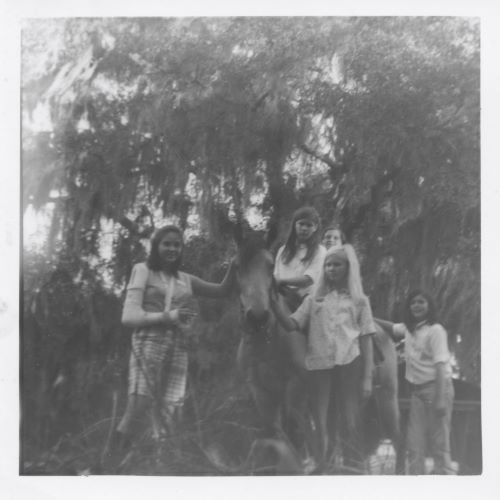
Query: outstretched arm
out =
(214, 290)
(284, 319)
(282, 316)
(388, 327)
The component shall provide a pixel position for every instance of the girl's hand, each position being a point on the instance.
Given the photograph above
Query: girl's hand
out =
(186, 314)
(366, 387)
(171, 317)
(186, 305)
(179, 317)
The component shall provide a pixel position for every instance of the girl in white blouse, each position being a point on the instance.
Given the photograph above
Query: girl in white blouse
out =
(299, 261)
(428, 372)
(338, 353)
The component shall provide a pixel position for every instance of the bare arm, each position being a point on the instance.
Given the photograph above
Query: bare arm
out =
(388, 327)
(134, 316)
(439, 400)
(366, 348)
(214, 290)
(281, 315)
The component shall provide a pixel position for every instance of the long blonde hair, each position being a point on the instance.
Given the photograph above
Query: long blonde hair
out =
(354, 283)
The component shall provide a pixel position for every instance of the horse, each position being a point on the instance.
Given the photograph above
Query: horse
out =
(265, 359)
(262, 355)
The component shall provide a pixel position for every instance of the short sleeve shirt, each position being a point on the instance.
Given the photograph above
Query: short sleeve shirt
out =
(425, 347)
(154, 286)
(333, 325)
(296, 267)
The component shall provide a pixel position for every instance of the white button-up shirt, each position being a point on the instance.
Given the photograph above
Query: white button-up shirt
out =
(296, 267)
(425, 347)
(333, 325)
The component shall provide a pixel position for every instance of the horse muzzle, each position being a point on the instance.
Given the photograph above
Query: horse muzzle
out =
(257, 325)
(257, 319)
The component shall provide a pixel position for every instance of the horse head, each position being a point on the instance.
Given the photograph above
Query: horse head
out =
(254, 275)
(262, 355)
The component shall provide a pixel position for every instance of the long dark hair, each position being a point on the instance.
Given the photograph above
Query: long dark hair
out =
(308, 213)
(154, 262)
(431, 318)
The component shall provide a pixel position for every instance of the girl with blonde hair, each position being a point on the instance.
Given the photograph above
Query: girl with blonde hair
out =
(336, 324)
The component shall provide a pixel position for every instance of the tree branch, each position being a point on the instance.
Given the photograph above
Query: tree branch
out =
(324, 158)
(131, 226)
(259, 101)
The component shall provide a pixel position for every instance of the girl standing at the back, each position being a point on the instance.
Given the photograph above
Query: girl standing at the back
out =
(428, 372)
(299, 262)
(333, 237)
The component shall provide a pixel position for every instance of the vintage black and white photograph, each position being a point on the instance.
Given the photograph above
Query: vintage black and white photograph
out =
(251, 246)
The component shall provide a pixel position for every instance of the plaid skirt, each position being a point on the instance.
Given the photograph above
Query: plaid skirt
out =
(158, 366)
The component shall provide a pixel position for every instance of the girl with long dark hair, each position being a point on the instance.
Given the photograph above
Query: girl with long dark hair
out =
(159, 307)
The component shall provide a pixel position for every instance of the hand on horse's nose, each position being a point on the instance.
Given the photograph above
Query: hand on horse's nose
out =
(257, 318)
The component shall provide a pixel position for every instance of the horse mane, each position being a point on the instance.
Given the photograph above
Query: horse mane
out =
(252, 244)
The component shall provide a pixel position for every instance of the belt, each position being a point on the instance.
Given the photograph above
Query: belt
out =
(417, 387)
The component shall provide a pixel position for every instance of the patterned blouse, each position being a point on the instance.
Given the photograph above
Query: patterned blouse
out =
(333, 325)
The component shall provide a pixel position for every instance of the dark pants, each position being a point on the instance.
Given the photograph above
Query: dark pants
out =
(336, 394)
(347, 407)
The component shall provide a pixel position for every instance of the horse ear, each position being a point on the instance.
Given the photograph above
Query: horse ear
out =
(272, 233)
(238, 233)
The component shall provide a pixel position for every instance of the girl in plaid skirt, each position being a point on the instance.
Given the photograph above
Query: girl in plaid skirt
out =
(159, 307)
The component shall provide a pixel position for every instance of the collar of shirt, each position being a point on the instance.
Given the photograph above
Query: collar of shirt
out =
(420, 325)
(168, 277)
(334, 294)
